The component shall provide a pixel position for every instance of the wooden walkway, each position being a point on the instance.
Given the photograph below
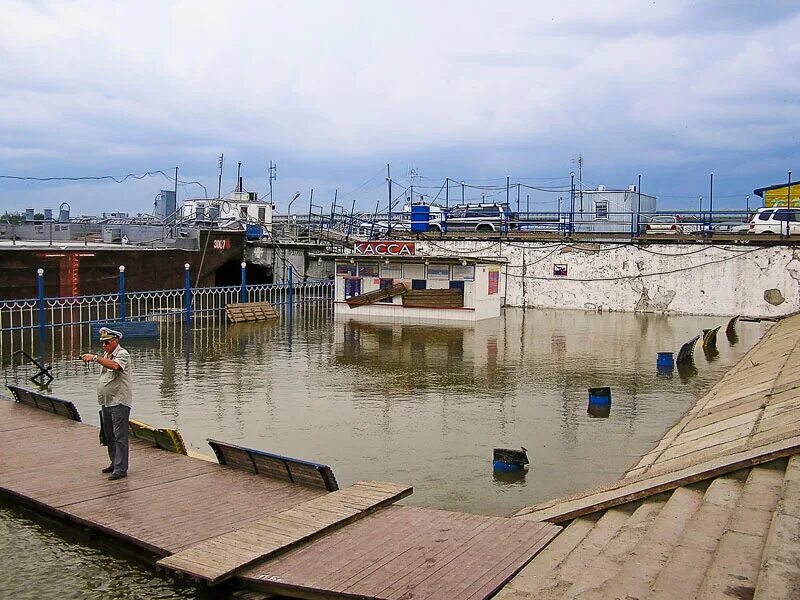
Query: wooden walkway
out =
(214, 522)
(712, 512)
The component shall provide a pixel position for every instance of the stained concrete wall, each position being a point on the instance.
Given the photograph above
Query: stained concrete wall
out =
(701, 279)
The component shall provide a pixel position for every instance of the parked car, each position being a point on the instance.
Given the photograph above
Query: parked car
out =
(774, 220)
(478, 217)
(663, 224)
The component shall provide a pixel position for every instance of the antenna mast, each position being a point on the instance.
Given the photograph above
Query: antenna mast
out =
(219, 184)
(273, 176)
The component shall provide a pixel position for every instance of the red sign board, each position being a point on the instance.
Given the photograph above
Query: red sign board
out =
(387, 248)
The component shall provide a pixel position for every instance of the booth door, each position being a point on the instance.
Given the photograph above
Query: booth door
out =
(458, 285)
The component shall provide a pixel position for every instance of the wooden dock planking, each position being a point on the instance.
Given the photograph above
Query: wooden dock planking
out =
(161, 506)
(404, 552)
(281, 531)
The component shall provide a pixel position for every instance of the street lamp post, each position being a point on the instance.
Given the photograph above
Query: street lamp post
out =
(638, 202)
(462, 192)
(571, 201)
(788, 203)
(711, 205)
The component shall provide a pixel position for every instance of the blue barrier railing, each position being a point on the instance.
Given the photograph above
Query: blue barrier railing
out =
(34, 317)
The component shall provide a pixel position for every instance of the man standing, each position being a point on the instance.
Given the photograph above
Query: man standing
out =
(115, 395)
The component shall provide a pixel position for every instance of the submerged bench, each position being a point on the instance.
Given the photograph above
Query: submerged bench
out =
(51, 404)
(444, 298)
(276, 466)
(250, 311)
(160, 437)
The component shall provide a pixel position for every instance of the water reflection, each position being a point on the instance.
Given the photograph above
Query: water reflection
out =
(599, 411)
(509, 477)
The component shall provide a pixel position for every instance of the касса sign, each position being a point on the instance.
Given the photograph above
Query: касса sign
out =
(384, 248)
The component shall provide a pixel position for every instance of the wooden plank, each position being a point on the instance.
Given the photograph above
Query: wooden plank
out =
(278, 533)
(250, 311)
(779, 577)
(627, 490)
(683, 572)
(737, 559)
(641, 567)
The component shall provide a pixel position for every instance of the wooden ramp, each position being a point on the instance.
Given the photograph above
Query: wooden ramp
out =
(250, 311)
(377, 295)
(215, 522)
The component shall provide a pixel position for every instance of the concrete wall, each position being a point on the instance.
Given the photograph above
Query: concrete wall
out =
(659, 278)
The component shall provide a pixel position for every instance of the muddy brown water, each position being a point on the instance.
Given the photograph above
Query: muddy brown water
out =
(412, 403)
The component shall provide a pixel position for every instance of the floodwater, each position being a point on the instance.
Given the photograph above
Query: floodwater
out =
(417, 404)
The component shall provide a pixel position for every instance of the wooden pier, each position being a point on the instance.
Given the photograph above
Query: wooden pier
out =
(215, 522)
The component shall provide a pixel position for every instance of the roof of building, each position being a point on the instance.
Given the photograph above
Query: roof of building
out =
(777, 186)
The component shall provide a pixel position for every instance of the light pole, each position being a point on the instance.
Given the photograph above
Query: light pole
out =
(571, 201)
(462, 192)
(711, 205)
(788, 203)
(638, 202)
(702, 220)
(289, 210)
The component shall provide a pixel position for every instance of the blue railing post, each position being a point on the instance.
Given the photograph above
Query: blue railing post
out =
(122, 292)
(291, 288)
(187, 299)
(243, 295)
(40, 291)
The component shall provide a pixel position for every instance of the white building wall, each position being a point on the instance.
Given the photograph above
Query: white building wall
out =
(759, 281)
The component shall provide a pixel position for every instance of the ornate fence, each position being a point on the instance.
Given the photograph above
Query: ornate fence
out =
(34, 324)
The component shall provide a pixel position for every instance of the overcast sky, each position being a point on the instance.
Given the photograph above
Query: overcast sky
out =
(333, 91)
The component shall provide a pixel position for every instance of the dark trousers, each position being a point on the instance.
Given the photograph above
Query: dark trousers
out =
(115, 428)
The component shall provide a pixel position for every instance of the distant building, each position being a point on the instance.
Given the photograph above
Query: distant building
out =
(606, 210)
(780, 194)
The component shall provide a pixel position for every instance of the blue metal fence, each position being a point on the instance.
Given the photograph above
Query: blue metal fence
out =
(27, 323)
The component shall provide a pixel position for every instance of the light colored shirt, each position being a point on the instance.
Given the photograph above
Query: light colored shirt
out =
(115, 387)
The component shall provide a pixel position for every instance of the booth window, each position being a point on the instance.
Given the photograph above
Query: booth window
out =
(368, 269)
(438, 271)
(464, 272)
(345, 269)
(413, 271)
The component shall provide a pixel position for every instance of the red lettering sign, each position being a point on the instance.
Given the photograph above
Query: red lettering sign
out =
(388, 247)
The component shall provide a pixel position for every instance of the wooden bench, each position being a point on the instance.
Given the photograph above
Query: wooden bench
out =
(250, 311)
(447, 298)
(51, 404)
(396, 289)
(274, 465)
(160, 437)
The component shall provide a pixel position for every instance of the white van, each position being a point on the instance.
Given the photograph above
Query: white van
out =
(774, 220)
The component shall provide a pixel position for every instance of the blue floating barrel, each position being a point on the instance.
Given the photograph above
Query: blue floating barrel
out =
(509, 459)
(420, 216)
(600, 395)
(665, 360)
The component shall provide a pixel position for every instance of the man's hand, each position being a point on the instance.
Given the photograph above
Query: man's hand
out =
(87, 357)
